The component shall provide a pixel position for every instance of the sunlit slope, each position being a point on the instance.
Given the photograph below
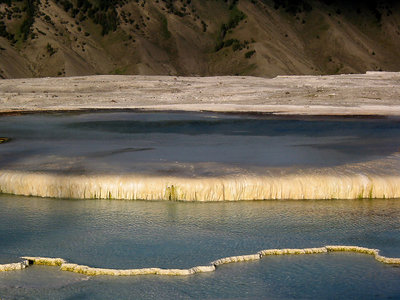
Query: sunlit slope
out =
(246, 37)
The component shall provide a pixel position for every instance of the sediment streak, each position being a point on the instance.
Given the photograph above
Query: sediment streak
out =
(86, 270)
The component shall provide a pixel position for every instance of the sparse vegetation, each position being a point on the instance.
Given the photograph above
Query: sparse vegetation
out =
(101, 12)
(164, 28)
(8, 2)
(293, 6)
(50, 49)
(235, 44)
(4, 32)
(26, 26)
(235, 17)
(48, 19)
(249, 54)
(119, 71)
(204, 25)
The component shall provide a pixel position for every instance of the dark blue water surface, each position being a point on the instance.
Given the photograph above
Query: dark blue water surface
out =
(123, 142)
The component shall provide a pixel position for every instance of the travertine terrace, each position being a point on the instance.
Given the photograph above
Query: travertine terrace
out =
(371, 94)
(86, 270)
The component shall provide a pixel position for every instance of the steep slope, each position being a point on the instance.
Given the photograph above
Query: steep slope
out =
(197, 37)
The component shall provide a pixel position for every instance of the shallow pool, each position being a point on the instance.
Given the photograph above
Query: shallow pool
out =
(139, 142)
(133, 234)
(125, 234)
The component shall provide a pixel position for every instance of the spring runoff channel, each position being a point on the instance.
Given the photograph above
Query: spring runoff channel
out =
(198, 156)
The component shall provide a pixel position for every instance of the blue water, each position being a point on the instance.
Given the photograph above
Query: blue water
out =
(132, 234)
(135, 234)
(139, 142)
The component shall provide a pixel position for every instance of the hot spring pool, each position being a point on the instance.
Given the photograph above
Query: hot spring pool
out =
(198, 157)
(130, 154)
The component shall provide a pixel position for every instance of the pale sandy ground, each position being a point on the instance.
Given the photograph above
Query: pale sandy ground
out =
(374, 93)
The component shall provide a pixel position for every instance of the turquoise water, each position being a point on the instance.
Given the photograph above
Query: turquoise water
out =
(131, 234)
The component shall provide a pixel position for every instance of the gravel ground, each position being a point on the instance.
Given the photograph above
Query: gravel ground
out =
(373, 93)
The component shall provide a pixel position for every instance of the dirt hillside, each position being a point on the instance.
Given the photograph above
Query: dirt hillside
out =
(197, 37)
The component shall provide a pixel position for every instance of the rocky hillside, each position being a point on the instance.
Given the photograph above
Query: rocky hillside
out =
(197, 37)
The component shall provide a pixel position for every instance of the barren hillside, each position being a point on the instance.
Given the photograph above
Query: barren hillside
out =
(197, 37)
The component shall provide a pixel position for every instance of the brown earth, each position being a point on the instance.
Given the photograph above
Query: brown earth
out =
(152, 38)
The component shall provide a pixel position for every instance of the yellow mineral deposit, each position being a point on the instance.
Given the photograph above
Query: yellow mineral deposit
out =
(4, 140)
(292, 251)
(14, 266)
(375, 179)
(233, 259)
(86, 270)
(46, 261)
(131, 272)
